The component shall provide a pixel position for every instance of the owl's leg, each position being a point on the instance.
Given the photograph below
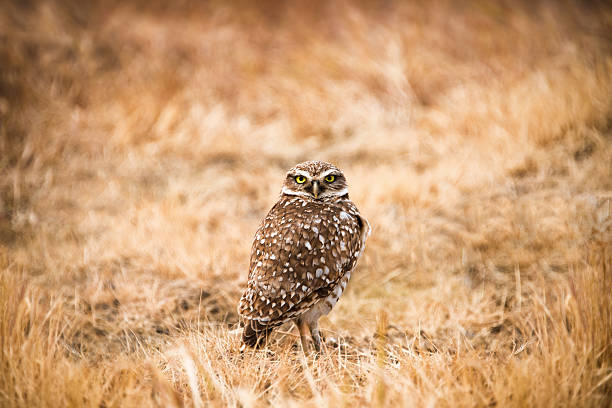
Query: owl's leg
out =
(303, 328)
(314, 332)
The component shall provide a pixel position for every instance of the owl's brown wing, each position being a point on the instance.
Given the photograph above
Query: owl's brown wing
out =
(300, 252)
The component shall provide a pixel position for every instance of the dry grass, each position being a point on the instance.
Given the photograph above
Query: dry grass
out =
(141, 144)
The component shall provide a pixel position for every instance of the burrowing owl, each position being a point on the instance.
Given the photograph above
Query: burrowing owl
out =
(303, 254)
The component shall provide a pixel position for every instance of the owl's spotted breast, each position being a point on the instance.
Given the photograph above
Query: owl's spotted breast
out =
(302, 248)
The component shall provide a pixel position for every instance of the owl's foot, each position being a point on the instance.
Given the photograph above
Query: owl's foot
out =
(316, 338)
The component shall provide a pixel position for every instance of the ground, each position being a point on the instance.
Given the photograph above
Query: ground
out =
(141, 143)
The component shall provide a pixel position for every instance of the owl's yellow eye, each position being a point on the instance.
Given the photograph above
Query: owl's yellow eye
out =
(300, 179)
(330, 178)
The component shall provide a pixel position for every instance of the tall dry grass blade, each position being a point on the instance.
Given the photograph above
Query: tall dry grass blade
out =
(162, 392)
(192, 375)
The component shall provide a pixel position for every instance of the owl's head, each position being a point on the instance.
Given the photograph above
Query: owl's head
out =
(315, 180)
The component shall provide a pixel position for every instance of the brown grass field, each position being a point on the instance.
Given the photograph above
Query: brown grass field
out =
(141, 143)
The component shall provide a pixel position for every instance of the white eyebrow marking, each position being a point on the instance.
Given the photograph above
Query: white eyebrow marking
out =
(326, 172)
(301, 172)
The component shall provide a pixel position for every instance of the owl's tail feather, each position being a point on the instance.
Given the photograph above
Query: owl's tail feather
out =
(254, 334)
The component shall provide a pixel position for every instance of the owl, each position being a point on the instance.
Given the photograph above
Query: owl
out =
(303, 255)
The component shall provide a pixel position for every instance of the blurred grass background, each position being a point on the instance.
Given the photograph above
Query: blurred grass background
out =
(141, 143)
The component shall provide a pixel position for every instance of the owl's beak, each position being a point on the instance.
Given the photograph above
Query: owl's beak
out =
(315, 189)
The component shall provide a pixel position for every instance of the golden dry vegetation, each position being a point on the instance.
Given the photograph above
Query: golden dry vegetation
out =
(141, 143)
